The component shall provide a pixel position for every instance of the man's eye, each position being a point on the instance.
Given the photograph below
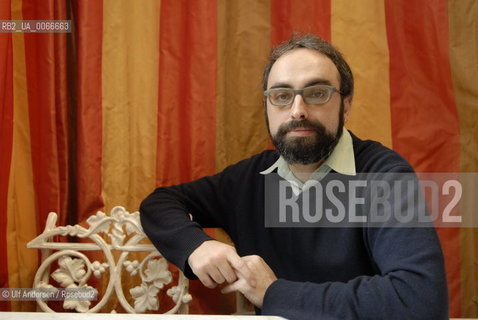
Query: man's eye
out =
(282, 96)
(320, 93)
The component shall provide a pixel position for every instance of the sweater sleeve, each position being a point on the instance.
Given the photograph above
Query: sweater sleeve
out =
(411, 284)
(410, 281)
(173, 217)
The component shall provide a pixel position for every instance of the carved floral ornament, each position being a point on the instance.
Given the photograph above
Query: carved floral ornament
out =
(123, 229)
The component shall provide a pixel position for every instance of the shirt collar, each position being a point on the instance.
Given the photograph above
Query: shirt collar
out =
(342, 159)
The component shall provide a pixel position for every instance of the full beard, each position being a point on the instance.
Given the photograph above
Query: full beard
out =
(307, 150)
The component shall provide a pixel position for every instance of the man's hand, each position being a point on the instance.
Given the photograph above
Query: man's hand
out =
(264, 277)
(214, 262)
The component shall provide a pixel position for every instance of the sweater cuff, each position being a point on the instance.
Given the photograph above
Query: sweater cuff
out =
(279, 298)
(194, 240)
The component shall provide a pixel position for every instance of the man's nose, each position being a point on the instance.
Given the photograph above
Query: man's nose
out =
(299, 108)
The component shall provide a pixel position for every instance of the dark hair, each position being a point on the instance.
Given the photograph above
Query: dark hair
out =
(311, 41)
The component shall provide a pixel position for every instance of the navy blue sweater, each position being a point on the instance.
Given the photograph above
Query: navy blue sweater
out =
(323, 273)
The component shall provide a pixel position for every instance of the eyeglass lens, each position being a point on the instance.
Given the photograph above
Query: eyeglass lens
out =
(311, 95)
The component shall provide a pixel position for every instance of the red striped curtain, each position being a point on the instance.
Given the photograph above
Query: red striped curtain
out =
(151, 93)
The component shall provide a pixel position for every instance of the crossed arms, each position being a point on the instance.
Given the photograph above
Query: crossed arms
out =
(408, 281)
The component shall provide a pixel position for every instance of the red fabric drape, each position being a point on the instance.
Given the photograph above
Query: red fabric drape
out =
(309, 16)
(45, 57)
(6, 138)
(425, 127)
(89, 25)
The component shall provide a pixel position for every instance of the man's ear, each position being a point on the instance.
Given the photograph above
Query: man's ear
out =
(347, 107)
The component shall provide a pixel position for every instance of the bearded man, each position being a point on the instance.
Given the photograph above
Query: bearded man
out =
(380, 271)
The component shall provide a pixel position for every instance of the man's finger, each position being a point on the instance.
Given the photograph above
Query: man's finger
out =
(229, 288)
(244, 271)
(216, 275)
(233, 287)
(206, 280)
(227, 271)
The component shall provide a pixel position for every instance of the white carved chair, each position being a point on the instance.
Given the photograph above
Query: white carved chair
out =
(117, 237)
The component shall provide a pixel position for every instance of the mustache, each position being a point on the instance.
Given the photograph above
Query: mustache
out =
(303, 124)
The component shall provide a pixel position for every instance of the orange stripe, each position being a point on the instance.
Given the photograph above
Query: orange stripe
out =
(6, 139)
(310, 16)
(243, 40)
(244, 44)
(187, 90)
(89, 14)
(368, 57)
(424, 120)
(463, 57)
(21, 226)
(130, 96)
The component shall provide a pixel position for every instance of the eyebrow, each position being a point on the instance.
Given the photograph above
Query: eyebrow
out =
(308, 84)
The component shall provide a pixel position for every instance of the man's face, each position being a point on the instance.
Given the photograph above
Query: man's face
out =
(305, 133)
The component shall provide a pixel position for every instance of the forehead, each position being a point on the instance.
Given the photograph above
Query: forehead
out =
(301, 67)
